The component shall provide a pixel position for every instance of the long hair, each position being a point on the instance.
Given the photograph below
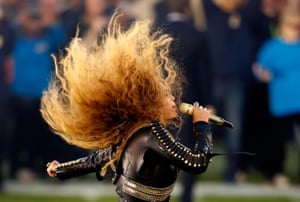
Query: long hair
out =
(99, 96)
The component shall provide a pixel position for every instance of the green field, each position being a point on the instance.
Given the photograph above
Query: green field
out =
(27, 198)
(213, 174)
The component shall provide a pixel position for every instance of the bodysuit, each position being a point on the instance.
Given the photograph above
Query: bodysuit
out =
(150, 163)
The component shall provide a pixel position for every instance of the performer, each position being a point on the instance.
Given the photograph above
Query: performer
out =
(120, 98)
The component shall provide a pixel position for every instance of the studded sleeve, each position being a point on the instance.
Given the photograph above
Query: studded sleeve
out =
(85, 165)
(194, 160)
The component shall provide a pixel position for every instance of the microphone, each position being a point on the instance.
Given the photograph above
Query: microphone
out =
(188, 109)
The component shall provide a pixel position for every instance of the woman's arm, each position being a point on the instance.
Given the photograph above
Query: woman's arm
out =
(191, 160)
(82, 166)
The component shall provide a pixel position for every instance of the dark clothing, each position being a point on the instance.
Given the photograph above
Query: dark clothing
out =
(31, 145)
(282, 131)
(233, 40)
(150, 163)
(70, 20)
(28, 139)
(257, 126)
(190, 51)
(257, 118)
(231, 46)
(6, 44)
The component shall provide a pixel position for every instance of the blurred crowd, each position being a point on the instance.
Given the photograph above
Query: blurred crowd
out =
(240, 58)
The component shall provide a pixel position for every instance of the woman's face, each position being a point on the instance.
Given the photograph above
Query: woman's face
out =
(169, 109)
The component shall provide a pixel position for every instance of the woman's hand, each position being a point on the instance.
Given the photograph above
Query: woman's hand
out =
(200, 113)
(51, 166)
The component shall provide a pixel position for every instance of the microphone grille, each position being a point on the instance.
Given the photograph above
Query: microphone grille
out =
(186, 108)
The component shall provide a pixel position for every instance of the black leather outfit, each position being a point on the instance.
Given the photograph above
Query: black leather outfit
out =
(149, 165)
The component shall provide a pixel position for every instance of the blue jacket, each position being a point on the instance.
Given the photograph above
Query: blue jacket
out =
(282, 60)
(33, 62)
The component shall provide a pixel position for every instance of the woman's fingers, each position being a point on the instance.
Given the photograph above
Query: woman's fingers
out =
(51, 166)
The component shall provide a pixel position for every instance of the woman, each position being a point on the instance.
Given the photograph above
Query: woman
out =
(119, 99)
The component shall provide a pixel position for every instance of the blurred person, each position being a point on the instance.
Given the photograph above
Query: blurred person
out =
(34, 44)
(113, 5)
(231, 46)
(160, 9)
(95, 17)
(278, 64)
(273, 8)
(120, 99)
(52, 16)
(190, 50)
(70, 17)
(50, 11)
(126, 7)
(140, 9)
(6, 45)
(12, 8)
(93, 20)
(257, 120)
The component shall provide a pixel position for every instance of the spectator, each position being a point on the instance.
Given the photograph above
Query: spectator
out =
(12, 8)
(95, 17)
(231, 48)
(257, 119)
(52, 16)
(70, 17)
(278, 64)
(34, 44)
(93, 20)
(50, 11)
(6, 44)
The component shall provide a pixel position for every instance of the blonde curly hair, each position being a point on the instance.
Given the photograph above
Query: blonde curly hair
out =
(100, 95)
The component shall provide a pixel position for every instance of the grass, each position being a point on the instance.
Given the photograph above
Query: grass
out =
(243, 199)
(213, 174)
(28, 198)
(291, 167)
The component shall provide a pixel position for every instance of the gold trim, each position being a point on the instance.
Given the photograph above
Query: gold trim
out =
(145, 192)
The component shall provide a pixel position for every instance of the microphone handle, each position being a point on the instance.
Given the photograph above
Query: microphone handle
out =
(220, 121)
(188, 109)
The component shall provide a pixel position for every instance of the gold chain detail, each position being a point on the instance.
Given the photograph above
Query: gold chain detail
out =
(144, 192)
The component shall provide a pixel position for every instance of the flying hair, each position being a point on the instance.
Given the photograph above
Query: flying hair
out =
(98, 96)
